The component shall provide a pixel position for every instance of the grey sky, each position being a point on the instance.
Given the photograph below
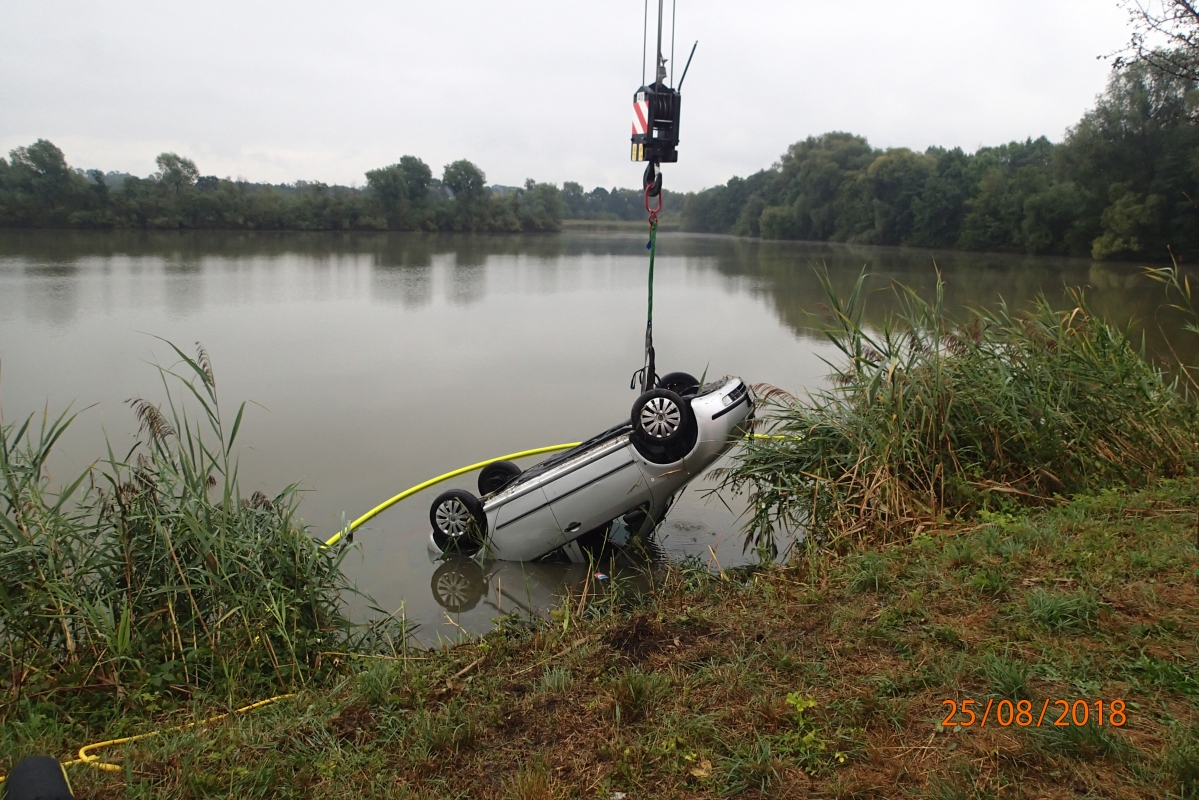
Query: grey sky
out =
(276, 91)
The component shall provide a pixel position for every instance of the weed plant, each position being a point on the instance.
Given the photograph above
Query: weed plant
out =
(150, 574)
(929, 419)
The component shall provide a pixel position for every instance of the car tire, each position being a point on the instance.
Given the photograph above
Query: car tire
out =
(459, 523)
(496, 476)
(458, 585)
(660, 418)
(681, 383)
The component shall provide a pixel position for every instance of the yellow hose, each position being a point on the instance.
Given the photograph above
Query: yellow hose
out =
(433, 481)
(86, 757)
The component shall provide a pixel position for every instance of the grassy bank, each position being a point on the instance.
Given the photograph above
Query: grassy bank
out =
(824, 678)
(148, 581)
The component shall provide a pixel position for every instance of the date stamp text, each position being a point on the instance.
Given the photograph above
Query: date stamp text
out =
(1024, 714)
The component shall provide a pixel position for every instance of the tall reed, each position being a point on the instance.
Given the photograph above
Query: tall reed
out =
(150, 572)
(928, 419)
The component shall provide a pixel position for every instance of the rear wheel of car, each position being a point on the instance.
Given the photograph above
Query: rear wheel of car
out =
(496, 475)
(681, 383)
(459, 523)
(661, 417)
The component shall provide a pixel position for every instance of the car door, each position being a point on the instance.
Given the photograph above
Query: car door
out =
(525, 528)
(597, 492)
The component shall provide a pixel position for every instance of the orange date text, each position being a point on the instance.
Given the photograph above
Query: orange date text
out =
(1026, 714)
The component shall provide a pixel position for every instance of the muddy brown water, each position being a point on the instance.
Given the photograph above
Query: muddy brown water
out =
(378, 361)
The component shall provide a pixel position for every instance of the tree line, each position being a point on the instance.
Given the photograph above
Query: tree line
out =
(38, 189)
(1123, 184)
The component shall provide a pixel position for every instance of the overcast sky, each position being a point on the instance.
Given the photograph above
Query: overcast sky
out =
(279, 91)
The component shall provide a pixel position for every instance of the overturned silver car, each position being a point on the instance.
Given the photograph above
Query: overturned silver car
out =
(629, 474)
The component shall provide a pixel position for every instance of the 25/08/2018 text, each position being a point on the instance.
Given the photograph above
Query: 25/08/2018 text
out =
(1022, 713)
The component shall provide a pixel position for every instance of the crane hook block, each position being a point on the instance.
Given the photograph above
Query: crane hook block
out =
(656, 124)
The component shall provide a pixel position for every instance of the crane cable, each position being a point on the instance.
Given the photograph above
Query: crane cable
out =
(647, 372)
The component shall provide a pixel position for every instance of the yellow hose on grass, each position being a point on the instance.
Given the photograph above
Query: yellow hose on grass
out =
(86, 756)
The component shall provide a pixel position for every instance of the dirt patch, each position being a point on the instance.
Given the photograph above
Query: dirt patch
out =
(644, 636)
(354, 724)
(638, 638)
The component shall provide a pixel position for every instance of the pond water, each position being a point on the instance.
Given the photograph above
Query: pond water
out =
(378, 361)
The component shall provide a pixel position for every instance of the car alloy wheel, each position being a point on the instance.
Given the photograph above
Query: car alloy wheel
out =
(664, 426)
(458, 521)
(453, 518)
(661, 418)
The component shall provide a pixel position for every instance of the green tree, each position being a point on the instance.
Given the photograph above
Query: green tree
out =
(465, 180)
(43, 190)
(1139, 139)
(938, 211)
(1129, 223)
(417, 177)
(896, 179)
(541, 206)
(1055, 221)
(175, 171)
(575, 200)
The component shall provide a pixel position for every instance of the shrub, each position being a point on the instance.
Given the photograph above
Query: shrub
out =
(928, 418)
(151, 571)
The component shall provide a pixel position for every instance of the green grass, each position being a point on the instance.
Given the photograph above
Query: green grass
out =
(556, 680)
(776, 680)
(1059, 611)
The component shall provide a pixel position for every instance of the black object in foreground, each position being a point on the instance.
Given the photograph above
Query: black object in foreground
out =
(38, 778)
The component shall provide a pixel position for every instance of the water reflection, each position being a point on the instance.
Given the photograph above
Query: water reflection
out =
(52, 293)
(460, 584)
(783, 272)
(467, 283)
(473, 593)
(408, 286)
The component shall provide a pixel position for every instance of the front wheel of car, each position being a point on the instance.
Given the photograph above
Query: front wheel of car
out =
(459, 523)
(661, 417)
(496, 476)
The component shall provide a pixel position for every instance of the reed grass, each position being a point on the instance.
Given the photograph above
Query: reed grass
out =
(150, 574)
(928, 419)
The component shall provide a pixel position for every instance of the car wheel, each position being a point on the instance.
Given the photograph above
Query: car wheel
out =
(661, 417)
(495, 476)
(458, 585)
(459, 523)
(681, 383)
